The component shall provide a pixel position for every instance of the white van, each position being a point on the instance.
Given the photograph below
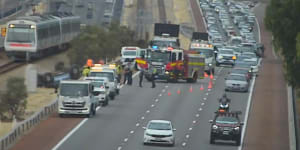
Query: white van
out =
(128, 54)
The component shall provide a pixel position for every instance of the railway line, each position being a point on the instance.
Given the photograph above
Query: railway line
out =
(10, 65)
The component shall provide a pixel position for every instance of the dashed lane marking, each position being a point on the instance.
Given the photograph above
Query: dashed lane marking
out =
(131, 132)
(197, 115)
(199, 109)
(125, 140)
(137, 124)
(119, 148)
(183, 144)
(143, 118)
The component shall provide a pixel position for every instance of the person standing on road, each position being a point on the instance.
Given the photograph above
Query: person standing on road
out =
(129, 76)
(154, 71)
(141, 75)
(126, 71)
(119, 73)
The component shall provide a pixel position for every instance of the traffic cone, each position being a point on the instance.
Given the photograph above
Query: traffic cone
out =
(205, 75)
(209, 85)
(201, 88)
(191, 89)
(178, 91)
(169, 93)
(211, 76)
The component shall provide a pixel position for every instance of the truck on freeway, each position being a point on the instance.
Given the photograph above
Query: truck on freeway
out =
(76, 97)
(201, 44)
(165, 35)
(173, 64)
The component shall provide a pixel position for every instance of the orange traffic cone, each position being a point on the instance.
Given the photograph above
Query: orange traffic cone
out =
(201, 88)
(205, 75)
(178, 91)
(191, 89)
(169, 93)
(211, 76)
(209, 85)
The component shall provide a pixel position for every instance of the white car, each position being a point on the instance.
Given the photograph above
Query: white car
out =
(159, 132)
(252, 56)
(100, 90)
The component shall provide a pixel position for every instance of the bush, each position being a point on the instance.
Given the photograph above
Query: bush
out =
(13, 100)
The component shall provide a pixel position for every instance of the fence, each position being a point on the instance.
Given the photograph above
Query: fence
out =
(11, 138)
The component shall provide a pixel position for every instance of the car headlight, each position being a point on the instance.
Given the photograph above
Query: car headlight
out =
(236, 128)
(215, 127)
(167, 72)
(209, 64)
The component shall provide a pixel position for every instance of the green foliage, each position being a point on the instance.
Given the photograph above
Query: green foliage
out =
(282, 19)
(13, 100)
(100, 44)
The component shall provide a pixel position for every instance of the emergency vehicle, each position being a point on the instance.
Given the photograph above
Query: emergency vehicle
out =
(200, 44)
(108, 71)
(128, 54)
(173, 64)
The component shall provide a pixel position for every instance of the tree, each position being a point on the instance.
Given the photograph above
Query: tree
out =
(282, 19)
(98, 43)
(14, 99)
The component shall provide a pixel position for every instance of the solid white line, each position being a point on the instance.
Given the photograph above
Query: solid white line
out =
(81, 123)
(247, 112)
(69, 134)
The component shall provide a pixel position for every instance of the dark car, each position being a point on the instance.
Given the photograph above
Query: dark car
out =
(226, 126)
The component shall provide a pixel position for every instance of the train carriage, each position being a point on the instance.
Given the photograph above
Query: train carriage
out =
(39, 35)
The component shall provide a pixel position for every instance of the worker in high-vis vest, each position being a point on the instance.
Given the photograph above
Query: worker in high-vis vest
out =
(86, 71)
(154, 72)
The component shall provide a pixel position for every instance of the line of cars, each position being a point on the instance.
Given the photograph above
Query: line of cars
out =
(231, 29)
(83, 96)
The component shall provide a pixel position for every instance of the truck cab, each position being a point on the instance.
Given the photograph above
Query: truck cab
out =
(128, 54)
(110, 73)
(76, 97)
(206, 49)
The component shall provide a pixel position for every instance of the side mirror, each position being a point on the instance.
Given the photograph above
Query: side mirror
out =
(242, 123)
(107, 87)
(144, 128)
(174, 129)
(210, 121)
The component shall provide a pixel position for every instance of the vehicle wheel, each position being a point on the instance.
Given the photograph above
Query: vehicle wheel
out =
(106, 102)
(94, 110)
(173, 144)
(213, 71)
(90, 113)
(112, 97)
(238, 141)
(212, 140)
(195, 78)
(118, 91)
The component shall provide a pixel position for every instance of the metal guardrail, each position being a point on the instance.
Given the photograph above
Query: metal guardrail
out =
(11, 138)
(296, 118)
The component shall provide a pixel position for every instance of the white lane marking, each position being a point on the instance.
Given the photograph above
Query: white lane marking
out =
(202, 104)
(187, 136)
(199, 109)
(194, 121)
(69, 134)
(81, 123)
(208, 90)
(166, 86)
(148, 111)
(190, 129)
(125, 140)
(206, 93)
(72, 131)
(156, 100)
(152, 105)
(197, 115)
(247, 113)
(220, 70)
(119, 148)
(137, 124)
(143, 118)
(131, 132)
(163, 90)
(183, 144)
(160, 95)
(205, 98)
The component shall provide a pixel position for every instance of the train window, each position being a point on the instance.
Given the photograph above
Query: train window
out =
(17, 34)
(180, 56)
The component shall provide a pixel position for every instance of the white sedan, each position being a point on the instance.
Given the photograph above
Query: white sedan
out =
(159, 132)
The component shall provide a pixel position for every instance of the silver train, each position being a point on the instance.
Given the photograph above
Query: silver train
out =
(35, 36)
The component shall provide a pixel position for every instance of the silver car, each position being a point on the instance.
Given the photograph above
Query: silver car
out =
(236, 82)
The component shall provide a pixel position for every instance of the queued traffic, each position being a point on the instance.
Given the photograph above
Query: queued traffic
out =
(230, 41)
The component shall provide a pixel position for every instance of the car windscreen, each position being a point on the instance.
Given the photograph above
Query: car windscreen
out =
(158, 56)
(252, 63)
(225, 52)
(74, 90)
(98, 84)
(108, 75)
(161, 43)
(242, 65)
(236, 77)
(250, 55)
(226, 120)
(159, 126)
(206, 52)
(239, 71)
(129, 53)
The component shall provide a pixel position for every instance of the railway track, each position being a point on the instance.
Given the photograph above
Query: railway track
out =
(162, 11)
(10, 66)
